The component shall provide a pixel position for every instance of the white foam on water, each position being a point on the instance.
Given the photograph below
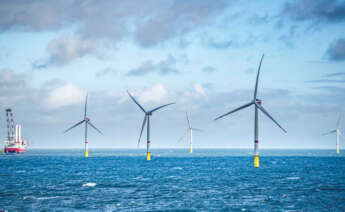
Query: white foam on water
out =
(89, 184)
(293, 178)
(177, 168)
(39, 198)
(45, 198)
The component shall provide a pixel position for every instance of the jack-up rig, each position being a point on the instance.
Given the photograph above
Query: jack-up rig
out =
(14, 143)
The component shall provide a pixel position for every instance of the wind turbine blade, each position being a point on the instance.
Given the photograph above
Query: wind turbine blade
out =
(94, 127)
(142, 128)
(85, 106)
(73, 126)
(197, 129)
(188, 121)
(157, 108)
(136, 102)
(237, 109)
(330, 132)
(338, 122)
(257, 79)
(269, 116)
(184, 135)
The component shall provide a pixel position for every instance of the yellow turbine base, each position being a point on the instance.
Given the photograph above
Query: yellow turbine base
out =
(0, 151)
(148, 156)
(256, 161)
(86, 153)
(338, 151)
(191, 150)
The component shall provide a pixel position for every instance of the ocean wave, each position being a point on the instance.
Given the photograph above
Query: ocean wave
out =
(89, 184)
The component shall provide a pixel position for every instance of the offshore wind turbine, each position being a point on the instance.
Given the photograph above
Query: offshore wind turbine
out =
(87, 122)
(190, 129)
(147, 119)
(338, 133)
(257, 106)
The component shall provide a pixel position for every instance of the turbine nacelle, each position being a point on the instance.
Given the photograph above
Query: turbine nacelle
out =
(258, 101)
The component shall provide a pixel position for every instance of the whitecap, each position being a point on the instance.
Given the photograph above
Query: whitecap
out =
(89, 184)
(177, 168)
(45, 198)
(293, 178)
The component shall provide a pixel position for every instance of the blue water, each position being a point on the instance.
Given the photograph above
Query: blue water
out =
(207, 180)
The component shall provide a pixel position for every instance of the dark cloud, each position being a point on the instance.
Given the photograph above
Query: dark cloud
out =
(336, 50)
(164, 67)
(149, 23)
(331, 11)
(35, 15)
(209, 69)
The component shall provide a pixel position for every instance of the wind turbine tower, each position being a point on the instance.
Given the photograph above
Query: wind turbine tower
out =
(337, 132)
(190, 129)
(257, 106)
(146, 119)
(87, 122)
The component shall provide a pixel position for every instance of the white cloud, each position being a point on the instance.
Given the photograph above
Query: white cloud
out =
(199, 89)
(154, 94)
(65, 95)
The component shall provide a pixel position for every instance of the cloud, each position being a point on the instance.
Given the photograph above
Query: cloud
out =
(199, 89)
(106, 72)
(36, 15)
(13, 87)
(154, 94)
(65, 49)
(148, 24)
(330, 11)
(164, 67)
(209, 69)
(335, 74)
(176, 18)
(64, 95)
(336, 50)
(329, 78)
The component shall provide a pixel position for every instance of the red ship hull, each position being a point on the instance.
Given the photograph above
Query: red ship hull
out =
(14, 150)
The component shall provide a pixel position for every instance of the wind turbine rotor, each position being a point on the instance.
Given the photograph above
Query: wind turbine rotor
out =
(82, 121)
(233, 111)
(257, 78)
(136, 102)
(94, 127)
(269, 116)
(142, 129)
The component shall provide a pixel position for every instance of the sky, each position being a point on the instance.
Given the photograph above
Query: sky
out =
(201, 54)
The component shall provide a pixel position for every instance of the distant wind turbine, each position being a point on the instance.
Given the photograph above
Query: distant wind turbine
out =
(190, 129)
(87, 122)
(147, 119)
(338, 133)
(257, 105)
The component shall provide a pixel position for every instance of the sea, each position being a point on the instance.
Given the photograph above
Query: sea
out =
(174, 180)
